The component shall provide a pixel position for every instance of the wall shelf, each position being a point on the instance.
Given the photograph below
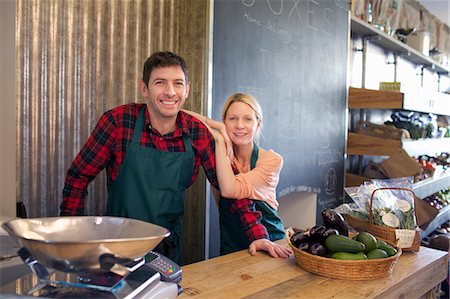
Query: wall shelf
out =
(427, 102)
(359, 144)
(362, 98)
(390, 43)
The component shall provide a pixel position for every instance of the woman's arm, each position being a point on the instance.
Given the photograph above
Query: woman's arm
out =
(261, 182)
(224, 153)
(256, 232)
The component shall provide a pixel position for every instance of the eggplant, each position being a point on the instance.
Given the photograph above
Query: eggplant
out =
(316, 233)
(304, 246)
(299, 237)
(333, 219)
(330, 231)
(318, 249)
(296, 230)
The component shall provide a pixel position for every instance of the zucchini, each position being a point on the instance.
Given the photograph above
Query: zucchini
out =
(336, 243)
(349, 256)
(368, 239)
(391, 251)
(377, 254)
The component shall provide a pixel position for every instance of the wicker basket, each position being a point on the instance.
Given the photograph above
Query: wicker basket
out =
(386, 233)
(344, 269)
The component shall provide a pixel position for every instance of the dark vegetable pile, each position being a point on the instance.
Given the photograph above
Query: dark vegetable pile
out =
(331, 240)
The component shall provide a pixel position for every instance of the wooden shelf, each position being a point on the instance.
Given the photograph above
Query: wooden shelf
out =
(387, 42)
(359, 144)
(374, 99)
(427, 102)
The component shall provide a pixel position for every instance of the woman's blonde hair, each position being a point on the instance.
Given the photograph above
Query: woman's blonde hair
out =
(253, 103)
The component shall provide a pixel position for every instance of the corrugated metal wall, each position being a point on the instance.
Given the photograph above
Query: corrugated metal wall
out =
(76, 59)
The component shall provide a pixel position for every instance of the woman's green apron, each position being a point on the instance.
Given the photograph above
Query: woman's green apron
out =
(232, 233)
(150, 187)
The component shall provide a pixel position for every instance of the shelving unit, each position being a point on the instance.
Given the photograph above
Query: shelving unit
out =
(426, 102)
(359, 144)
(388, 42)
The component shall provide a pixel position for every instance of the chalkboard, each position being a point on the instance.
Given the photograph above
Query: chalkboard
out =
(292, 56)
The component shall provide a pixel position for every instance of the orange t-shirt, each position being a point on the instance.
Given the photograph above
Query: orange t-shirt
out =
(261, 182)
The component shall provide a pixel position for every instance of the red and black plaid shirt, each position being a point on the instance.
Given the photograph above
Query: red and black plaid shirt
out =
(106, 148)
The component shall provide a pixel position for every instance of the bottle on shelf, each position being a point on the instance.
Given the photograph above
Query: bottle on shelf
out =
(368, 16)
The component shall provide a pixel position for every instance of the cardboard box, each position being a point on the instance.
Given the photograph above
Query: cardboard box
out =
(420, 40)
(400, 165)
(424, 212)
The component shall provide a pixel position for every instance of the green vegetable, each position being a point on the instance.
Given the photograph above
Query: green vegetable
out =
(349, 256)
(377, 254)
(368, 239)
(336, 243)
(391, 251)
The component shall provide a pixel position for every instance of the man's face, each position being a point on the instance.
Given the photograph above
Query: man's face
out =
(166, 92)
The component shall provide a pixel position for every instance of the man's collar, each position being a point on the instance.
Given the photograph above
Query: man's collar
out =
(181, 123)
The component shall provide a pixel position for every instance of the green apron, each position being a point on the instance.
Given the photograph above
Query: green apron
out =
(150, 186)
(232, 234)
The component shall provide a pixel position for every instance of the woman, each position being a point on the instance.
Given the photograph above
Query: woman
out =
(250, 174)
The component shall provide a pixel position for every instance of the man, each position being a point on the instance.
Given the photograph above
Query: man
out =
(152, 153)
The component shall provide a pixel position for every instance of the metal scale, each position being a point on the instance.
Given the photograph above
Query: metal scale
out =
(140, 280)
(106, 260)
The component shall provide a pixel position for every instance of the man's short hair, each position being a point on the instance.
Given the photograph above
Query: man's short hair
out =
(162, 59)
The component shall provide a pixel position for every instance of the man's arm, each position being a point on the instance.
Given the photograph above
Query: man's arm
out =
(250, 219)
(92, 158)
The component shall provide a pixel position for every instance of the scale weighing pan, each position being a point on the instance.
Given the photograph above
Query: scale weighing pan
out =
(78, 244)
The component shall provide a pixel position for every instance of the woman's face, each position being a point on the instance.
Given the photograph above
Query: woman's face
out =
(241, 123)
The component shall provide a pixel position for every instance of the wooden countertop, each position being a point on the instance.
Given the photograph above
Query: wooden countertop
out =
(239, 275)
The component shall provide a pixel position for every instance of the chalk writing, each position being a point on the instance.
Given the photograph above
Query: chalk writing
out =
(327, 202)
(270, 61)
(253, 90)
(330, 181)
(308, 12)
(292, 189)
(275, 28)
(329, 156)
(251, 19)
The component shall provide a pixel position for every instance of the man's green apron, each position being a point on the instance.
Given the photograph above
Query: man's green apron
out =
(150, 187)
(232, 233)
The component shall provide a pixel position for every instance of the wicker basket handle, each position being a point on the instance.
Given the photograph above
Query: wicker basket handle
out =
(387, 188)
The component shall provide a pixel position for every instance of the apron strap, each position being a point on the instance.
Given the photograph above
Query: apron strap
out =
(139, 126)
(254, 157)
(187, 143)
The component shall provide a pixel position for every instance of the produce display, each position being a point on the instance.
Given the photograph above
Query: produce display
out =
(432, 166)
(439, 199)
(391, 207)
(331, 240)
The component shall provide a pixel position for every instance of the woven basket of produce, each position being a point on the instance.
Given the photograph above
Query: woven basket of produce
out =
(343, 265)
(387, 233)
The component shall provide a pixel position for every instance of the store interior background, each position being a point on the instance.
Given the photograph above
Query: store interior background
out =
(439, 8)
